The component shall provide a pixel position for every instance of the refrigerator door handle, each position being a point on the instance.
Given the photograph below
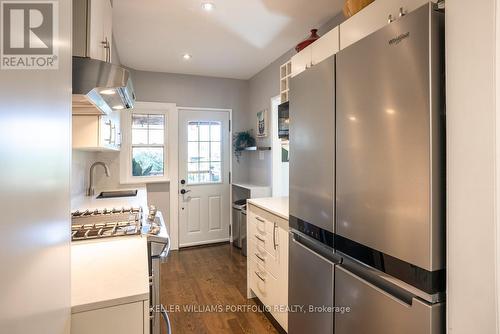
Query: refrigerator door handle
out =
(316, 247)
(376, 280)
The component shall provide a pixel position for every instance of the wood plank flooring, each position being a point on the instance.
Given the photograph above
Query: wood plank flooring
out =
(208, 277)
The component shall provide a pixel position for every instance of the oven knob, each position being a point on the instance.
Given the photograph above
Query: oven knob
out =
(152, 213)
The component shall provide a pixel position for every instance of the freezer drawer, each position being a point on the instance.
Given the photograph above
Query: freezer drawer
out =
(376, 311)
(310, 283)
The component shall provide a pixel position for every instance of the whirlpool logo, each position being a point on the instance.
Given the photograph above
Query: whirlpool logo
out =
(29, 35)
(397, 40)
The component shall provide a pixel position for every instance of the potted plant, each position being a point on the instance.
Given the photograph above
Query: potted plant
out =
(242, 140)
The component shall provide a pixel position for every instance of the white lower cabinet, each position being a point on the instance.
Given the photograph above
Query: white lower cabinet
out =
(132, 318)
(267, 261)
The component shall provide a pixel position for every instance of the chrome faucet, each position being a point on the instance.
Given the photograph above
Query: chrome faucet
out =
(91, 190)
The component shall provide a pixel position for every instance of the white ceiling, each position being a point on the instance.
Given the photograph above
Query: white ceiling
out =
(236, 40)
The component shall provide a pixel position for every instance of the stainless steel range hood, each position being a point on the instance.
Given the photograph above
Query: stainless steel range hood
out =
(101, 85)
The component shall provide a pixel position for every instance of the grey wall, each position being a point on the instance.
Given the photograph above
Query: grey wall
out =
(262, 87)
(185, 91)
(197, 91)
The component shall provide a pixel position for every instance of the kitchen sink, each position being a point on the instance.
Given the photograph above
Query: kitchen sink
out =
(118, 193)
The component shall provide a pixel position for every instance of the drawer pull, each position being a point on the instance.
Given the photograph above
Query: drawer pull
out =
(274, 235)
(260, 277)
(259, 238)
(260, 219)
(260, 257)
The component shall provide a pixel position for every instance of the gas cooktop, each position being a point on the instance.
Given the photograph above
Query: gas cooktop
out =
(105, 223)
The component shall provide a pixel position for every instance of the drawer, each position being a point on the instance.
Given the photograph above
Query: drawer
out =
(260, 255)
(382, 311)
(271, 291)
(264, 232)
(259, 281)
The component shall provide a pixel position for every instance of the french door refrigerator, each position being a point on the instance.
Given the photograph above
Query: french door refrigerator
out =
(390, 181)
(312, 148)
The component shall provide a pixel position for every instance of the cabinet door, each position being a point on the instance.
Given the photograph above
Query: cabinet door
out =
(108, 26)
(301, 61)
(121, 319)
(326, 46)
(372, 18)
(96, 31)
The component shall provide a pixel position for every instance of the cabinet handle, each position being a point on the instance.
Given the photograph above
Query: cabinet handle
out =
(390, 19)
(401, 12)
(260, 219)
(260, 257)
(275, 227)
(107, 48)
(110, 124)
(260, 277)
(113, 135)
(259, 238)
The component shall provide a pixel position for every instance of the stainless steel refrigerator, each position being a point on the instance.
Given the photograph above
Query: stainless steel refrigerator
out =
(390, 181)
(312, 150)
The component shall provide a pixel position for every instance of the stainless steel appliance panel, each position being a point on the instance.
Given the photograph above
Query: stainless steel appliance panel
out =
(311, 278)
(376, 311)
(312, 144)
(389, 145)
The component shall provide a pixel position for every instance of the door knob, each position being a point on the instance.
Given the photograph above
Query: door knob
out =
(184, 191)
(183, 181)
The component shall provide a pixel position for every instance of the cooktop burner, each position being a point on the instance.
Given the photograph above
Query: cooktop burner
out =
(105, 223)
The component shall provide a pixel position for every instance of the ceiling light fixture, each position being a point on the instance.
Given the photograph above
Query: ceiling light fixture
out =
(208, 6)
(187, 56)
(118, 107)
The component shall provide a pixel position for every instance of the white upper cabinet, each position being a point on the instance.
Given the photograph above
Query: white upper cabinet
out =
(326, 46)
(374, 17)
(301, 61)
(100, 36)
(92, 29)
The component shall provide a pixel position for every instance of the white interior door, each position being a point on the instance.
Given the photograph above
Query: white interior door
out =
(204, 167)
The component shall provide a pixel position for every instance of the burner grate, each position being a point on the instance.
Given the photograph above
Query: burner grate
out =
(105, 223)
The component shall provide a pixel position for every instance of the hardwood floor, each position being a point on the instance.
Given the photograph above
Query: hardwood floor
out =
(212, 276)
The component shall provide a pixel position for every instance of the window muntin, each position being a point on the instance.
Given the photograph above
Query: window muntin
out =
(204, 163)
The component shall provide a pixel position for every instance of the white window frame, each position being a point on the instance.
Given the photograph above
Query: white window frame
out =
(149, 108)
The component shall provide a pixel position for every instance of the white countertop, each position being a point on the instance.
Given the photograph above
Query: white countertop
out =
(83, 202)
(275, 205)
(108, 272)
(250, 186)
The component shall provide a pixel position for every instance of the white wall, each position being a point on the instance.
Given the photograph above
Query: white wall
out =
(471, 136)
(35, 227)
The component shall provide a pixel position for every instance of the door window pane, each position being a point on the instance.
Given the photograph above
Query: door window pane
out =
(204, 131)
(204, 150)
(215, 172)
(192, 132)
(193, 154)
(215, 131)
